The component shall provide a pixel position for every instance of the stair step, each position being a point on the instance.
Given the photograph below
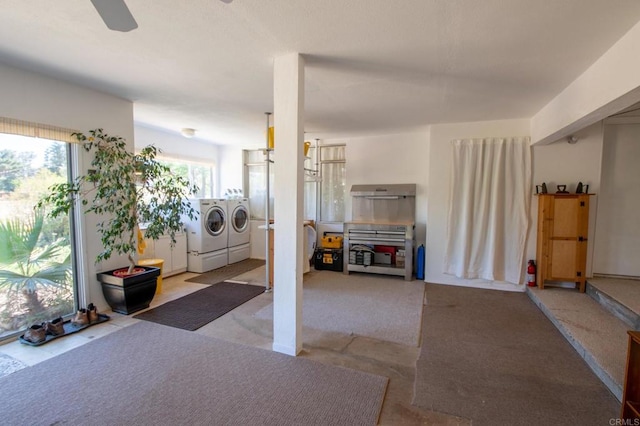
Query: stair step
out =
(599, 337)
(619, 296)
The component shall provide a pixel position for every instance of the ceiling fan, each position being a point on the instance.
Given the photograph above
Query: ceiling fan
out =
(117, 16)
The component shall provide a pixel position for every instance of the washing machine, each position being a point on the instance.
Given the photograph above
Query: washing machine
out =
(207, 235)
(239, 242)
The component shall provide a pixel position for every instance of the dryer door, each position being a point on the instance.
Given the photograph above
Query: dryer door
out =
(215, 222)
(240, 219)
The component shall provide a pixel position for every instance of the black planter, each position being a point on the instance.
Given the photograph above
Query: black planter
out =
(130, 294)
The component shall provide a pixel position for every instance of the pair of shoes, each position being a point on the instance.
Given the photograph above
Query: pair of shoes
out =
(55, 327)
(81, 318)
(92, 312)
(35, 334)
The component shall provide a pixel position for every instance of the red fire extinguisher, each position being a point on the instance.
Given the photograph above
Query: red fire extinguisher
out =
(531, 274)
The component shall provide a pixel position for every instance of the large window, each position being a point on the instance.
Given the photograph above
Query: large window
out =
(324, 183)
(199, 174)
(36, 256)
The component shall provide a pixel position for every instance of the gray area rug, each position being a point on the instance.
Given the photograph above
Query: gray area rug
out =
(384, 308)
(227, 272)
(149, 374)
(194, 310)
(493, 357)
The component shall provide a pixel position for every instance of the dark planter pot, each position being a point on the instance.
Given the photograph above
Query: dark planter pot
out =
(130, 294)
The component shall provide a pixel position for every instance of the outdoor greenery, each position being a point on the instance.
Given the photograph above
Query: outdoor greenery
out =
(29, 268)
(36, 280)
(125, 190)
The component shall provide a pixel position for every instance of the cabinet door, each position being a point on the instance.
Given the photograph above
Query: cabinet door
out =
(163, 251)
(179, 253)
(568, 240)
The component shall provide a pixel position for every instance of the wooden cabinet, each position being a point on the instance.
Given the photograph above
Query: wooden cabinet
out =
(631, 393)
(563, 224)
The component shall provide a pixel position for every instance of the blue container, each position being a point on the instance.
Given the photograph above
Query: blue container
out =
(420, 263)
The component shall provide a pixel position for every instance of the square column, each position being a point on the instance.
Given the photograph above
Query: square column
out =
(288, 95)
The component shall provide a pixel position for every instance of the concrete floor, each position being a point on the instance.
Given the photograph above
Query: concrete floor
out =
(392, 360)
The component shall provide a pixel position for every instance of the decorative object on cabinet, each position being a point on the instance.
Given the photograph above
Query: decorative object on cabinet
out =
(563, 221)
(631, 394)
(541, 189)
(562, 189)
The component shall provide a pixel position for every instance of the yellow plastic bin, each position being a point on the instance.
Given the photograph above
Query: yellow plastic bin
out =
(158, 264)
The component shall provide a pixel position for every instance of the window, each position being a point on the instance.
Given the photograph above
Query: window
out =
(199, 174)
(324, 186)
(37, 276)
(256, 183)
(333, 184)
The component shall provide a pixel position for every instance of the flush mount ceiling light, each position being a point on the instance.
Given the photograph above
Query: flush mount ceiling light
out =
(572, 139)
(188, 133)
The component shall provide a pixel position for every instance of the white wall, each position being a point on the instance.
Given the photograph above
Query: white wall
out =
(617, 237)
(611, 84)
(561, 163)
(36, 98)
(230, 166)
(439, 178)
(388, 159)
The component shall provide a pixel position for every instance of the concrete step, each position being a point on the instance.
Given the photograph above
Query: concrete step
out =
(596, 334)
(619, 296)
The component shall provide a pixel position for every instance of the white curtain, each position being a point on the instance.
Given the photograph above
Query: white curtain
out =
(489, 209)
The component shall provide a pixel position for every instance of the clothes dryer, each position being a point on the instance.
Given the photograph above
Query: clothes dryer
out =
(239, 242)
(207, 235)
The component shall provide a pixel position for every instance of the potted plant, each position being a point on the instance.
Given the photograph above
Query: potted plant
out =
(126, 190)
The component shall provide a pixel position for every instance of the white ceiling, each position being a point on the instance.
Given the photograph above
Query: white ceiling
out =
(372, 66)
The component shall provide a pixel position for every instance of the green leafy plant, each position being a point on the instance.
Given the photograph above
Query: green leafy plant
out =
(28, 267)
(126, 190)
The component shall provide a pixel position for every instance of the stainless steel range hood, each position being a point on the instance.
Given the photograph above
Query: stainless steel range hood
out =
(391, 203)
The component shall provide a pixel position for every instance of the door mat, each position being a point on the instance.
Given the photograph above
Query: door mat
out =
(227, 272)
(194, 310)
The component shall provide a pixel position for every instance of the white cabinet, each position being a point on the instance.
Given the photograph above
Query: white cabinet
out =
(175, 258)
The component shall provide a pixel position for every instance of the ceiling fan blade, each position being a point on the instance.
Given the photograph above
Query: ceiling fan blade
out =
(115, 14)
(226, 1)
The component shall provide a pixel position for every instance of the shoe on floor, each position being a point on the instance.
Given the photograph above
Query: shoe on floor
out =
(81, 318)
(55, 327)
(35, 334)
(92, 312)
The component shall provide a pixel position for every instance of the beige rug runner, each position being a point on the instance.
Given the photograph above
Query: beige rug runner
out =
(493, 357)
(150, 374)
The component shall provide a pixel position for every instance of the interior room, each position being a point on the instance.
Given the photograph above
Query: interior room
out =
(494, 114)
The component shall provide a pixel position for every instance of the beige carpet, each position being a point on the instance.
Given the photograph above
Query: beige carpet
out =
(384, 308)
(493, 357)
(150, 374)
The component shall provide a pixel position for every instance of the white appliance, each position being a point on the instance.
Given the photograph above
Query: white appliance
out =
(207, 235)
(239, 230)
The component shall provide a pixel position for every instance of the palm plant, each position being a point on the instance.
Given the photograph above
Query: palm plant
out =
(27, 267)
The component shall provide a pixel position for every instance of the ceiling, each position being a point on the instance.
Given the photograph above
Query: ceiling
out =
(372, 66)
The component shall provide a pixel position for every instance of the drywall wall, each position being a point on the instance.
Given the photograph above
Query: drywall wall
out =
(611, 84)
(386, 159)
(36, 98)
(439, 178)
(230, 168)
(561, 163)
(617, 234)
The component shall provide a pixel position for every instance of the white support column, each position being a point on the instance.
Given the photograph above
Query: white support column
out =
(288, 96)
